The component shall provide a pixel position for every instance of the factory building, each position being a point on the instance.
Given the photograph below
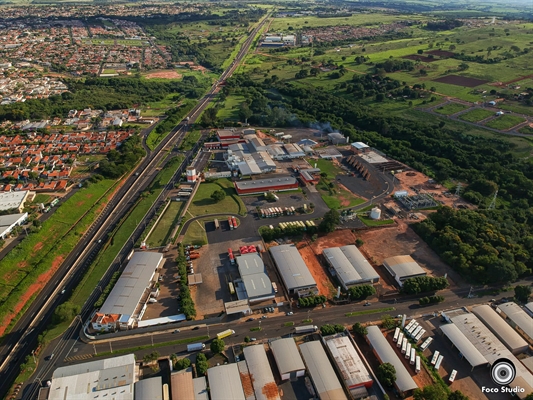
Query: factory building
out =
(275, 184)
(9, 222)
(257, 284)
(225, 382)
(293, 270)
(518, 319)
(503, 331)
(14, 200)
(386, 354)
(150, 388)
(350, 266)
(349, 365)
(126, 304)
(337, 138)
(288, 359)
(326, 383)
(402, 268)
(265, 387)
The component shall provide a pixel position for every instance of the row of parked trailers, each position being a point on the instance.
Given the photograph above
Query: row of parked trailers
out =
(232, 222)
(412, 331)
(301, 224)
(276, 212)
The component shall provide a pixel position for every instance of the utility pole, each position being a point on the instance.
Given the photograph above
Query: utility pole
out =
(94, 348)
(207, 330)
(110, 347)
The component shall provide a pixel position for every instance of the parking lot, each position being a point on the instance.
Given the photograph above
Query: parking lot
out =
(294, 199)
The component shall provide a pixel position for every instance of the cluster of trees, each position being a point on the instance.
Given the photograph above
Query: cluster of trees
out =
(289, 231)
(361, 292)
(393, 65)
(201, 364)
(218, 195)
(387, 322)
(183, 363)
(65, 312)
(311, 301)
(484, 246)
(368, 85)
(329, 329)
(437, 391)
(173, 117)
(107, 290)
(122, 160)
(217, 346)
(187, 304)
(152, 359)
(386, 374)
(359, 329)
(330, 220)
(430, 300)
(522, 293)
(445, 25)
(423, 284)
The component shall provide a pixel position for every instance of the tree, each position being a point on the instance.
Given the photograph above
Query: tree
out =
(458, 395)
(359, 329)
(217, 346)
(431, 392)
(359, 242)
(330, 221)
(66, 312)
(420, 51)
(201, 364)
(218, 195)
(245, 112)
(463, 66)
(209, 117)
(361, 292)
(303, 73)
(522, 293)
(184, 363)
(386, 374)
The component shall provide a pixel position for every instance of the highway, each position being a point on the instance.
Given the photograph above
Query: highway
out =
(20, 342)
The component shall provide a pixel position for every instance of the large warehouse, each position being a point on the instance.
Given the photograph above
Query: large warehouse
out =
(349, 364)
(8, 222)
(225, 382)
(351, 267)
(509, 337)
(253, 274)
(288, 359)
(518, 318)
(109, 378)
(465, 347)
(150, 388)
(275, 184)
(326, 383)
(386, 354)
(402, 268)
(126, 303)
(13, 200)
(293, 270)
(265, 387)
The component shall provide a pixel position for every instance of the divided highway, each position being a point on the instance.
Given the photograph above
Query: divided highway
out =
(23, 338)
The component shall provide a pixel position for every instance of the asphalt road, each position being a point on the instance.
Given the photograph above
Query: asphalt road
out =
(23, 338)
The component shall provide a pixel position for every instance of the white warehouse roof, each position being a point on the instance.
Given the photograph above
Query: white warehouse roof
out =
(225, 382)
(350, 265)
(510, 338)
(350, 365)
(518, 317)
(265, 387)
(9, 200)
(467, 349)
(292, 267)
(287, 357)
(253, 274)
(326, 382)
(403, 267)
(385, 352)
(151, 388)
(130, 287)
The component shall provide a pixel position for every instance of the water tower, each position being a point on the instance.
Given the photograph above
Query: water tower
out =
(191, 174)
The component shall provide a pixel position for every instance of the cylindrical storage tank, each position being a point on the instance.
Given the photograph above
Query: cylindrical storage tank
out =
(375, 213)
(191, 174)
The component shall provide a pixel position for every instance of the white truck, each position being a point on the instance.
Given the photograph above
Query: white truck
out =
(195, 347)
(305, 329)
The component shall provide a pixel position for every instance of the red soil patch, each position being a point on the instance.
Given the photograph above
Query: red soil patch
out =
(42, 280)
(38, 247)
(460, 81)
(319, 273)
(164, 75)
(22, 264)
(415, 57)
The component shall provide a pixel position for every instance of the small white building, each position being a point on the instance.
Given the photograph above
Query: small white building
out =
(402, 268)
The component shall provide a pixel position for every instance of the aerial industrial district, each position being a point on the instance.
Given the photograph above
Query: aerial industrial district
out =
(264, 292)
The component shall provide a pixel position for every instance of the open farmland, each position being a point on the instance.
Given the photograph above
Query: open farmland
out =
(460, 80)
(505, 122)
(476, 115)
(450, 108)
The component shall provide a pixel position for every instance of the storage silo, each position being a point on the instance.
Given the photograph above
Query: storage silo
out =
(375, 213)
(191, 174)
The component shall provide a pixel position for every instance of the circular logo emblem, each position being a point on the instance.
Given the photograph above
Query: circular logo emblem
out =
(503, 372)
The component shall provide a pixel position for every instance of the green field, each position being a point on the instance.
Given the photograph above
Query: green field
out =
(527, 130)
(42, 198)
(367, 312)
(230, 111)
(476, 115)
(161, 233)
(504, 122)
(203, 204)
(340, 199)
(372, 222)
(450, 108)
(109, 71)
(326, 166)
(190, 140)
(156, 108)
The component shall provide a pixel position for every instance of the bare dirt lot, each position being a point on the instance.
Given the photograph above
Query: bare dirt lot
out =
(410, 180)
(170, 74)
(383, 243)
(460, 81)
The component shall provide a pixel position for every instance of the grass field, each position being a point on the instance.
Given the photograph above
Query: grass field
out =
(450, 108)
(42, 198)
(196, 234)
(371, 311)
(476, 115)
(109, 71)
(372, 222)
(157, 108)
(340, 199)
(326, 166)
(505, 122)
(161, 233)
(230, 111)
(190, 140)
(203, 204)
(527, 130)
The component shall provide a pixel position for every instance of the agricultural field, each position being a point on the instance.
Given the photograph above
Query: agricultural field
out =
(202, 202)
(476, 115)
(450, 108)
(504, 122)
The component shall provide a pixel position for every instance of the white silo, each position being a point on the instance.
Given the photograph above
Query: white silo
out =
(191, 174)
(375, 213)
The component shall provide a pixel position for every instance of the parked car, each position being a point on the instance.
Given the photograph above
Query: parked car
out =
(252, 339)
(367, 304)
(290, 313)
(263, 317)
(250, 319)
(176, 331)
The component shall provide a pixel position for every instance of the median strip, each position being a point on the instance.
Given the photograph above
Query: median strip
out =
(367, 312)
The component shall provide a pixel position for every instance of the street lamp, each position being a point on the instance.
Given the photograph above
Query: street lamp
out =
(308, 314)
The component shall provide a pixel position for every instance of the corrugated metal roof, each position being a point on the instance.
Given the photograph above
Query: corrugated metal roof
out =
(246, 380)
(225, 382)
(200, 388)
(151, 388)
(350, 365)
(467, 349)
(501, 328)
(386, 353)
(287, 357)
(181, 385)
(326, 382)
(250, 264)
(253, 274)
(129, 289)
(519, 317)
(265, 387)
(265, 184)
(350, 265)
(403, 266)
(292, 267)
